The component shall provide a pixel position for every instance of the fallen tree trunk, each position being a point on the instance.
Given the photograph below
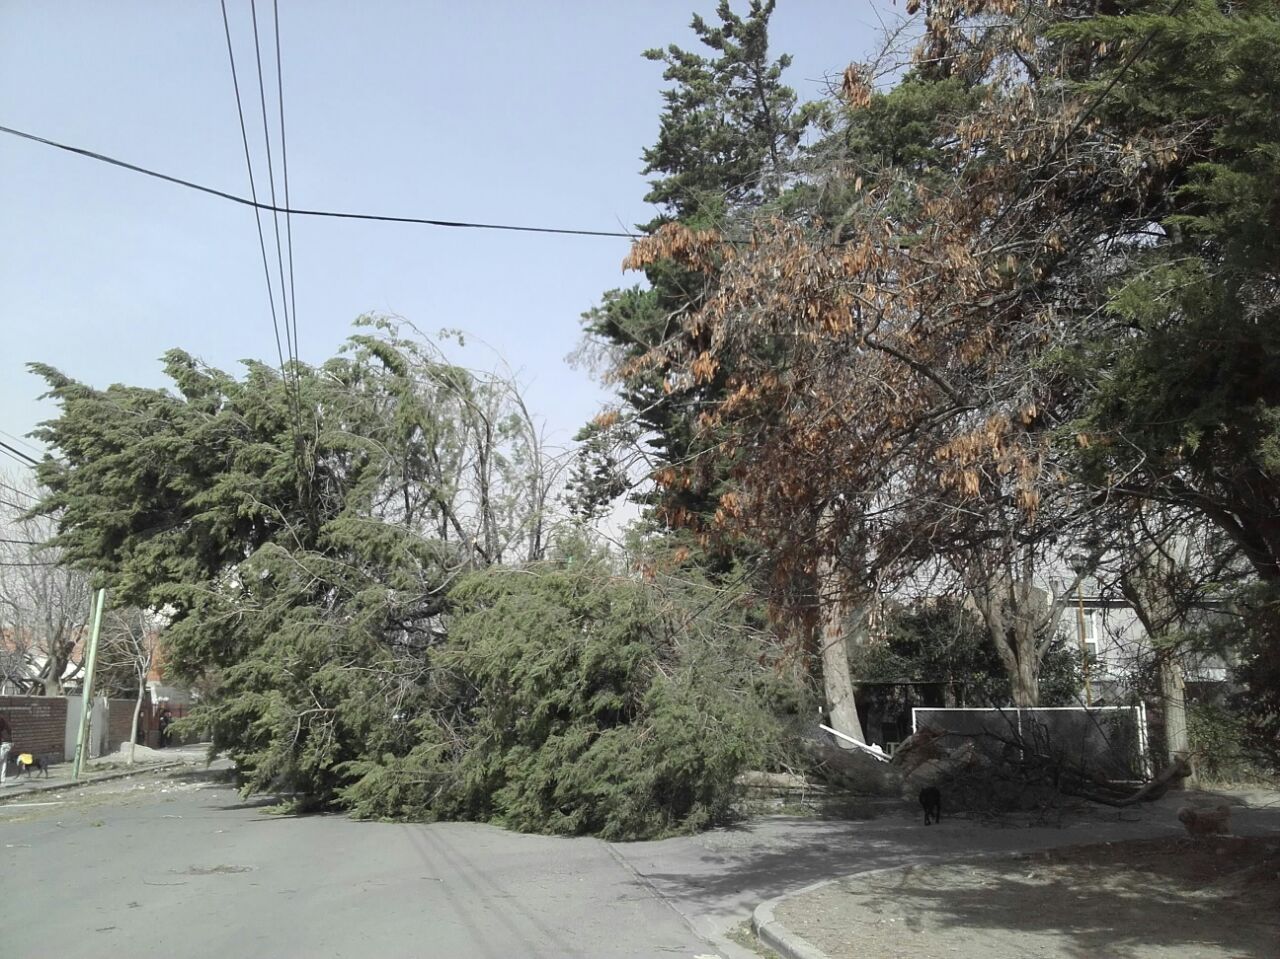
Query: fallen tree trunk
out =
(852, 769)
(1169, 778)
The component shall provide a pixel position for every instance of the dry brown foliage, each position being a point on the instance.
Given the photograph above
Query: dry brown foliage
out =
(887, 390)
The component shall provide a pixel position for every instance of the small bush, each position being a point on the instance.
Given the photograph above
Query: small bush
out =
(1219, 745)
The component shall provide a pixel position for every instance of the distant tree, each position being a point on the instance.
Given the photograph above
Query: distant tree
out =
(128, 648)
(595, 477)
(947, 642)
(44, 605)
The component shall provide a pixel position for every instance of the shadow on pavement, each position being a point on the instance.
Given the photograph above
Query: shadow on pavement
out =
(207, 775)
(1080, 908)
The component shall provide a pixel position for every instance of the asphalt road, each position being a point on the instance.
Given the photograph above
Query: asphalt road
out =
(182, 866)
(186, 869)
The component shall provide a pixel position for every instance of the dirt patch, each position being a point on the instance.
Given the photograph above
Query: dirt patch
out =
(215, 870)
(141, 756)
(1144, 899)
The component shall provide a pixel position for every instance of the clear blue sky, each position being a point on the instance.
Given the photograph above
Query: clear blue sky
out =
(529, 113)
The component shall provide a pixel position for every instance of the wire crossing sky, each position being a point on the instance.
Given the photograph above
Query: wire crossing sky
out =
(274, 208)
(503, 121)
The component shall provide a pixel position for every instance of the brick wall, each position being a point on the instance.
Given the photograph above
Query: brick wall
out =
(39, 724)
(120, 722)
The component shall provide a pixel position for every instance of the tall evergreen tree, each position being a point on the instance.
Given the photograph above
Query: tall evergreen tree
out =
(728, 139)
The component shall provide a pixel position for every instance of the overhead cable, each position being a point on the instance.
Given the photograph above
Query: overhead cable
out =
(253, 191)
(18, 492)
(18, 454)
(284, 167)
(331, 214)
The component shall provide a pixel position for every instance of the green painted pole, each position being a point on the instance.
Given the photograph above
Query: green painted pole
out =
(86, 699)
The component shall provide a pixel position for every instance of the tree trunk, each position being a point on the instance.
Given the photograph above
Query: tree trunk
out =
(837, 682)
(137, 711)
(1025, 681)
(949, 697)
(1150, 588)
(1013, 638)
(1172, 692)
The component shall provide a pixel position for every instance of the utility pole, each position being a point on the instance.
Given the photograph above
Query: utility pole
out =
(86, 700)
(1084, 647)
(1080, 564)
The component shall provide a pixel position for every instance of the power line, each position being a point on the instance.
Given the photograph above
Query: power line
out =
(271, 178)
(296, 397)
(21, 542)
(284, 166)
(331, 214)
(18, 454)
(253, 191)
(517, 228)
(18, 492)
(20, 441)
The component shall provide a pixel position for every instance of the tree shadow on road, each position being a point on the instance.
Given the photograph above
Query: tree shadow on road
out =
(206, 775)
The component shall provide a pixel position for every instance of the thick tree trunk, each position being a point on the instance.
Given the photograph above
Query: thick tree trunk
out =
(837, 685)
(1013, 638)
(57, 663)
(837, 682)
(1025, 682)
(1150, 587)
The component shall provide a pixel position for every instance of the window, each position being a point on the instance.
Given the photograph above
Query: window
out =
(1092, 628)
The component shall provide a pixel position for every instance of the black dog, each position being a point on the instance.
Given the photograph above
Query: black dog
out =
(931, 800)
(38, 763)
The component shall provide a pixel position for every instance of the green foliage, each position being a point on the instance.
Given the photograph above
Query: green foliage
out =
(589, 706)
(1219, 741)
(303, 563)
(322, 579)
(596, 478)
(729, 128)
(896, 141)
(728, 140)
(1191, 391)
(935, 643)
(946, 643)
(1257, 671)
(1187, 412)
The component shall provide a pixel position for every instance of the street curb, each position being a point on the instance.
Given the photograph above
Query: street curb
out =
(777, 936)
(6, 797)
(791, 946)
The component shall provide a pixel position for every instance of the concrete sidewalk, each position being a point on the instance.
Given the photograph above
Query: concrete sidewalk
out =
(103, 769)
(1254, 811)
(718, 878)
